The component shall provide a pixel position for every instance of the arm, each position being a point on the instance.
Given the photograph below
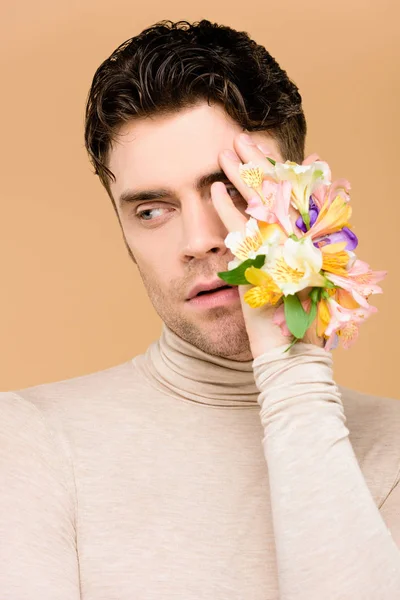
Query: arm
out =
(390, 511)
(38, 557)
(331, 540)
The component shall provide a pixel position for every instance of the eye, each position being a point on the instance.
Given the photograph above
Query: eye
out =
(141, 214)
(233, 192)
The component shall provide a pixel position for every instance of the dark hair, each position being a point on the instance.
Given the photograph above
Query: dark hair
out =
(170, 66)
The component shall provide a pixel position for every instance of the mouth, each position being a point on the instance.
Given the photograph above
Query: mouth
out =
(209, 292)
(222, 296)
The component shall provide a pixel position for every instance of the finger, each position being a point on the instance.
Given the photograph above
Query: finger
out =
(310, 159)
(231, 217)
(249, 150)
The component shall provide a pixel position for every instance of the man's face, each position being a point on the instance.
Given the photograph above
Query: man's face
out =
(180, 239)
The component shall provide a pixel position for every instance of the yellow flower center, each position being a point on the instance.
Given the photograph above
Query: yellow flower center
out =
(252, 176)
(250, 244)
(266, 290)
(336, 263)
(363, 278)
(261, 295)
(348, 333)
(281, 271)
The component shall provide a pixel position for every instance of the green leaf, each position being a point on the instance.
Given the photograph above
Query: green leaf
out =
(236, 276)
(295, 315)
(294, 237)
(271, 160)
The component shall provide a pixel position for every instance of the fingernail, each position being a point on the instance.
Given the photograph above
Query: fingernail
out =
(247, 139)
(264, 149)
(231, 155)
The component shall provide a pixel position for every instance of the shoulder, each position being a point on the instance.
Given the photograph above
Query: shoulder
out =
(72, 409)
(374, 426)
(72, 398)
(369, 413)
(33, 456)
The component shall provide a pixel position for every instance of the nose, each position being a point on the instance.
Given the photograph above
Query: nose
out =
(203, 232)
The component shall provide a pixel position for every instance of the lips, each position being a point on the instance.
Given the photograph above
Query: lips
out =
(205, 286)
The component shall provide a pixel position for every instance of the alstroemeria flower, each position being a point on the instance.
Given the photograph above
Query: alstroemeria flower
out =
(327, 193)
(323, 317)
(313, 211)
(295, 265)
(265, 291)
(344, 322)
(335, 259)
(304, 179)
(360, 281)
(273, 204)
(343, 235)
(331, 218)
(254, 241)
(299, 220)
(253, 175)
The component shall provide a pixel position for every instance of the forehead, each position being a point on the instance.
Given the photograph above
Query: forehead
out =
(170, 150)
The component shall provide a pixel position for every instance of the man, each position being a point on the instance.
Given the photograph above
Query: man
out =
(213, 465)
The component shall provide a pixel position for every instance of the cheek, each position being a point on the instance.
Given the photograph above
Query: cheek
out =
(153, 260)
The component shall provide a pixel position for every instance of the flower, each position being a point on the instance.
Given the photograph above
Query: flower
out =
(344, 322)
(332, 217)
(335, 258)
(266, 290)
(360, 281)
(304, 179)
(313, 211)
(253, 241)
(323, 317)
(299, 221)
(344, 234)
(323, 192)
(253, 176)
(276, 207)
(295, 265)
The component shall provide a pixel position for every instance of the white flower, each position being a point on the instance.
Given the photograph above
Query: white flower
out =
(295, 265)
(251, 243)
(304, 179)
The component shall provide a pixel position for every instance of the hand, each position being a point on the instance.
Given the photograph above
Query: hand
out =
(262, 332)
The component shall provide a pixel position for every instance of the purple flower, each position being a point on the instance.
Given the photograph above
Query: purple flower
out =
(343, 235)
(313, 211)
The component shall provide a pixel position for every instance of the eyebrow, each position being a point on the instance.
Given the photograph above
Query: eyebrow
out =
(130, 196)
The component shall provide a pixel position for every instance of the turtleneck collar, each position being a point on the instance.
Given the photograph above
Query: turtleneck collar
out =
(189, 373)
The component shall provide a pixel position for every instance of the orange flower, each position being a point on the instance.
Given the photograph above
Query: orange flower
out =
(335, 258)
(332, 217)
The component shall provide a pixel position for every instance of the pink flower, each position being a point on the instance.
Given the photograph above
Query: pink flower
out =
(323, 193)
(344, 322)
(274, 208)
(360, 281)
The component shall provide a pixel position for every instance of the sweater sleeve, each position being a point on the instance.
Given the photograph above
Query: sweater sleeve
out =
(331, 540)
(38, 557)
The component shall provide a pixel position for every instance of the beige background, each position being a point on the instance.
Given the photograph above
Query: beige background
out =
(72, 302)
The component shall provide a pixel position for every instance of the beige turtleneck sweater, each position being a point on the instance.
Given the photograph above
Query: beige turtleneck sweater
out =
(183, 476)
